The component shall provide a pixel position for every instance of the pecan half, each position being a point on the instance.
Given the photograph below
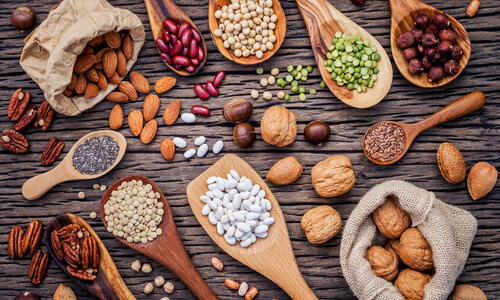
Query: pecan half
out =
(75, 236)
(28, 117)
(90, 253)
(14, 141)
(44, 115)
(64, 232)
(14, 247)
(80, 273)
(70, 255)
(56, 245)
(38, 267)
(52, 151)
(18, 103)
(33, 236)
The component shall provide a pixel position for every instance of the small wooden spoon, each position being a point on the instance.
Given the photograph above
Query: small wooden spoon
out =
(279, 32)
(108, 283)
(461, 107)
(167, 249)
(158, 11)
(322, 21)
(403, 15)
(272, 256)
(37, 186)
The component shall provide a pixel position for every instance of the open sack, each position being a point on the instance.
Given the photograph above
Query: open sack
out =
(448, 230)
(52, 48)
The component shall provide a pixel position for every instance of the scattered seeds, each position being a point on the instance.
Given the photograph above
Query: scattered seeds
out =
(189, 153)
(81, 195)
(179, 143)
(218, 147)
(264, 82)
(281, 95)
(146, 268)
(271, 80)
(202, 150)
(164, 298)
(275, 71)
(302, 97)
(200, 140)
(103, 187)
(232, 284)
(188, 117)
(148, 288)
(252, 292)
(217, 263)
(168, 287)
(254, 94)
(136, 265)
(96, 186)
(267, 95)
(243, 289)
(93, 215)
(159, 280)
(260, 70)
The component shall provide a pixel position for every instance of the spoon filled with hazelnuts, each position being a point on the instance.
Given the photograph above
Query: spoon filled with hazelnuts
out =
(429, 47)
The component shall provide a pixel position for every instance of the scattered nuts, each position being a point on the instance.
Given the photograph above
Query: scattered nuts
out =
(164, 84)
(159, 280)
(383, 262)
(93, 215)
(148, 288)
(264, 82)
(169, 287)
(81, 195)
(267, 95)
(135, 121)
(136, 265)
(391, 219)
(23, 18)
(29, 296)
(232, 284)
(411, 283)
(482, 179)
(278, 126)
(466, 292)
(472, 10)
(271, 80)
(146, 268)
(167, 149)
(285, 171)
(280, 95)
(333, 176)
(275, 71)
(217, 263)
(237, 110)
(317, 132)
(254, 94)
(321, 224)
(96, 186)
(243, 289)
(415, 251)
(244, 135)
(451, 163)
(164, 298)
(150, 107)
(116, 117)
(171, 112)
(252, 292)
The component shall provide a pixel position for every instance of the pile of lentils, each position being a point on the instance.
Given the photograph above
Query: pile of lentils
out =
(95, 155)
(384, 141)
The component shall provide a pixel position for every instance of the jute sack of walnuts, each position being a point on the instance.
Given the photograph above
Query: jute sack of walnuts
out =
(448, 230)
(51, 50)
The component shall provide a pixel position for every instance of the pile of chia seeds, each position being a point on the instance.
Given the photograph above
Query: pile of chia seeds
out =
(95, 155)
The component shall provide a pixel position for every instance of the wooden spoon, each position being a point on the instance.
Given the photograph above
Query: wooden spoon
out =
(403, 14)
(37, 186)
(108, 283)
(322, 21)
(167, 249)
(273, 256)
(158, 11)
(461, 107)
(279, 32)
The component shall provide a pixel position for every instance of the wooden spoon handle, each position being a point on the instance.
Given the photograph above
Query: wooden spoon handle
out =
(37, 186)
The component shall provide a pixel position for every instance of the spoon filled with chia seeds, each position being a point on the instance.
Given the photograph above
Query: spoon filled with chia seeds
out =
(91, 157)
(386, 142)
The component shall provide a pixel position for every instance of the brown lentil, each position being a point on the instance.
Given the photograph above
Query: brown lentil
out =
(384, 142)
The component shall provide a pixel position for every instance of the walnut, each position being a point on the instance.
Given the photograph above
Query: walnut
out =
(393, 246)
(321, 224)
(391, 219)
(333, 176)
(384, 263)
(278, 126)
(411, 283)
(415, 251)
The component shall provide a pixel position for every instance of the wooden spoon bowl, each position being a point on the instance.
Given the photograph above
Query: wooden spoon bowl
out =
(279, 32)
(403, 16)
(108, 283)
(167, 249)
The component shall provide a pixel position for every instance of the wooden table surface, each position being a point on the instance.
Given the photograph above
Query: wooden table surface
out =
(476, 135)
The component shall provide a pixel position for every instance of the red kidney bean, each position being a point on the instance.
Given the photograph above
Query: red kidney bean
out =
(201, 92)
(173, 39)
(181, 60)
(190, 68)
(196, 35)
(200, 110)
(178, 67)
(201, 55)
(182, 29)
(170, 26)
(185, 51)
(166, 36)
(167, 58)
(193, 49)
(212, 89)
(186, 38)
(161, 45)
(195, 61)
(176, 49)
(219, 77)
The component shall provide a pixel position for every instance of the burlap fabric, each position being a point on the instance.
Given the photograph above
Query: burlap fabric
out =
(448, 230)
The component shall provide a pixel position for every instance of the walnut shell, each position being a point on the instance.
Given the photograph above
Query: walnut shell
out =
(384, 263)
(391, 219)
(285, 171)
(393, 246)
(278, 126)
(333, 176)
(415, 251)
(321, 224)
(467, 292)
(411, 283)
(451, 163)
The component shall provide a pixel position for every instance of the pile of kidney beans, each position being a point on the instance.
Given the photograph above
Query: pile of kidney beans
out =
(211, 87)
(430, 47)
(180, 46)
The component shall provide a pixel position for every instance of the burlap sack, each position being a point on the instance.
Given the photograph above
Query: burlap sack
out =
(448, 230)
(51, 50)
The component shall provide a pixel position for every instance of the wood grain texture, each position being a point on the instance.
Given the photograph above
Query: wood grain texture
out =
(477, 136)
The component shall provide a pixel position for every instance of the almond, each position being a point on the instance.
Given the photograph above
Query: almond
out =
(99, 55)
(87, 50)
(149, 132)
(115, 79)
(167, 149)
(68, 93)
(171, 112)
(121, 67)
(113, 39)
(103, 82)
(64, 293)
(92, 75)
(81, 84)
(482, 179)
(116, 117)
(164, 84)
(128, 89)
(285, 171)
(127, 46)
(135, 122)
(83, 63)
(109, 63)
(140, 83)
(451, 163)
(151, 106)
(91, 90)
(72, 82)
(117, 97)
(98, 66)
(96, 41)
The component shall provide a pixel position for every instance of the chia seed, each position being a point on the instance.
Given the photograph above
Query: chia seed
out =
(95, 155)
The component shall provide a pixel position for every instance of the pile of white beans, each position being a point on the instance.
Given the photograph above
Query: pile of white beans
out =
(238, 208)
(247, 27)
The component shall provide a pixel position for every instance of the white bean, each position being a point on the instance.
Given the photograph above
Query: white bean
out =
(261, 235)
(245, 243)
(238, 216)
(235, 175)
(218, 147)
(218, 193)
(211, 218)
(238, 233)
(205, 211)
(220, 229)
(244, 227)
(190, 153)
(200, 141)
(261, 229)
(211, 180)
(230, 240)
(204, 198)
(252, 216)
(231, 231)
(179, 143)
(212, 186)
(269, 221)
(188, 117)
(202, 150)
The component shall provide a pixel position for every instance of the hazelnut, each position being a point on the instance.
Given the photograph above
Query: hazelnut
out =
(285, 171)
(422, 21)
(333, 176)
(27, 296)
(482, 179)
(391, 219)
(411, 284)
(466, 292)
(426, 63)
(384, 263)
(451, 67)
(444, 59)
(448, 35)
(445, 47)
(244, 135)
(317, 132)
(441, 21)
(415, 251)
(456, 53)
(417, 34)
(430, 52)
(278, 126)
(358, 2)
(451, 163)
(237, 110)
(420, 49)
(148, 288)
(432, 29)
(428, 40)
(415, 67)
(321, 224)
(23, 18)
(410, 53)
(435, 74)
(405, 40)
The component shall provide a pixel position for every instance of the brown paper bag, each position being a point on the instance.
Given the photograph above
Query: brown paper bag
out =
(51, 50)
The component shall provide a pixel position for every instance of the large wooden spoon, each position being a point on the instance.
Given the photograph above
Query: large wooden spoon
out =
(108, 283)
(403, 15)
(37, 186)
(273, 256)
(322, 21)
(167, 249)
(461, 107)
(158, 11)
(279, 32)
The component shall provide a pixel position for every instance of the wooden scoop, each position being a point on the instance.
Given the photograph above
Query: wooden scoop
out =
(461, 107)
(37, 186)
(403, 14)
(108, 283)
(272, 256)
(322, 21)
(167, 249)
(279, 32)
(158, 11)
